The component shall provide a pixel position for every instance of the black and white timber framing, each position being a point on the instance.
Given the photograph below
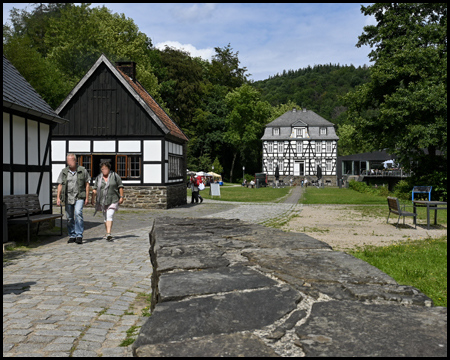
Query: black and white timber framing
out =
(297, 142)
(28, 122)
(113, 117)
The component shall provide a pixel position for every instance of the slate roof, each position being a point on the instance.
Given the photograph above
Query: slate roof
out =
(153, 109)
(19, 95)
(299, 118)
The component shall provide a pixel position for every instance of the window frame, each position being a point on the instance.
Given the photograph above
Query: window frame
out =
(124, 176)
(175, 166)
(299, 144)
(323, 130)
(81, 162)
(270, 146)
(329, 162)
(329, 146)
(276, 131)
(280, 144)
(318, 146)
(299, 133)
(129, 167)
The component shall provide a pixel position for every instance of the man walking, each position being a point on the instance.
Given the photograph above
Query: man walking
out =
(73, 190)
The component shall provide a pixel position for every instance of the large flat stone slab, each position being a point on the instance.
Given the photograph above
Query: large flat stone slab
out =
(342, 328)
(226, 345)
(228, 313)
(176, 286)
(318, 266)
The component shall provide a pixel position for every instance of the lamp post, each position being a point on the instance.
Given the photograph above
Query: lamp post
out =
(243, 173)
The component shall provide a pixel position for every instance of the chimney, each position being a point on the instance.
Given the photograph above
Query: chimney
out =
(294, 110)
(304, 109)
(128, 68)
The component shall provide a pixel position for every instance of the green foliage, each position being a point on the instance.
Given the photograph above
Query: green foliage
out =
(420, 263)
(362, 187)
(218, 169)
(403, 190)
(403, 108)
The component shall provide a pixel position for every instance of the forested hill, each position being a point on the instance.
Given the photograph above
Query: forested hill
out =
(316, 88)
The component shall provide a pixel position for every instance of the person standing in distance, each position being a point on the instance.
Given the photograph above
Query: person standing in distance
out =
(73, 190)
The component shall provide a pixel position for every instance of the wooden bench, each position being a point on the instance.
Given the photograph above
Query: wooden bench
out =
(26, 209)
(394, 207)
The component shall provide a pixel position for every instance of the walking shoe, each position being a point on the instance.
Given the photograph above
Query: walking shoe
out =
(71, 240)
(109, 237)
(201, 200)
(79, 240)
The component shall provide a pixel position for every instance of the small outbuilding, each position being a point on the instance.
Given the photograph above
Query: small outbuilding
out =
(112, 117)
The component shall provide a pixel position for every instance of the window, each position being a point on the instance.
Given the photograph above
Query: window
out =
(175, 166)
(299, 133)
(270, 147)
(276, 131)
(269, 165)
(280, 165)
(323, 131)
(318, 147)
(329, 164)
(128, 166)
(86, 161)
(299, 148)
(280, 148)
(329, 143)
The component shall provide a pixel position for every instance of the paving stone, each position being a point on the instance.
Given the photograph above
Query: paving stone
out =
(84, 353)
(28, 347)
(178, 285)
(242, 345)
(58, 347)
(335, 327)
(58, 354)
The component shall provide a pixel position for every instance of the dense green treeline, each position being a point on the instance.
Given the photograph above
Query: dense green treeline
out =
(317, 88)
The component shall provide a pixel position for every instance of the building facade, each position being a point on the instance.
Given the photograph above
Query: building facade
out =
(112, 117)
(28, 122)
(298, 142)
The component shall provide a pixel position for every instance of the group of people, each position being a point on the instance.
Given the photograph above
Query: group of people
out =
(247, 184)
(195, 190)
(73, 190)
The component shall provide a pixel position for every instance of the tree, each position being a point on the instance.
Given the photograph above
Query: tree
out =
(245, 122)
(408, 85)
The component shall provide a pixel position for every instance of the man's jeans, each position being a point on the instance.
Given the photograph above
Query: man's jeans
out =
(75, 223)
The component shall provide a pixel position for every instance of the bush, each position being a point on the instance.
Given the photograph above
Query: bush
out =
(363, 188)
(403, 190)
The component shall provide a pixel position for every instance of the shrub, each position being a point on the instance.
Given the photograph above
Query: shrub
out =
(403, 190)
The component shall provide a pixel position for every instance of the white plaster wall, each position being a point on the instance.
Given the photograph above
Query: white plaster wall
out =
(19, 183)
(18, 140)
(33, 179)
(152, 150)
(56, 169)
(45, 131)
(105, 146)
(76, 146)
(6, 183)
(58, 150)
(33, 136)
(44, 194)
(6, 150)
(152, 173)
(129, 146)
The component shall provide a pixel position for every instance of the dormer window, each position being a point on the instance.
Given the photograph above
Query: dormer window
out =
(299, 133)
(323, 131)
(276, 131)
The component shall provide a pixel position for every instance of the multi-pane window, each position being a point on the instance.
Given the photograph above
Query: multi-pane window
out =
(175, 166)
(329, 143)
(270, 147)
(318, 147)
(128, 166)
(299, 133)
(299, 148)
(86, 161)
(280, 147)
(269, 165)
(329, 164)
(280, 165)
(323, 131)
(276, 131)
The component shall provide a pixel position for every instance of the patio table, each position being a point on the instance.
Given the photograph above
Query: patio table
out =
(430, 205)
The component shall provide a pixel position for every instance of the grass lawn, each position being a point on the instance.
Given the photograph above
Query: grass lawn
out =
(419, 263)
(332, 195)
(243, 194)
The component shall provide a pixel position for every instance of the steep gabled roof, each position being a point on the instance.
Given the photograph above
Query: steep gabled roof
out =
(153, 109)
(19, 95)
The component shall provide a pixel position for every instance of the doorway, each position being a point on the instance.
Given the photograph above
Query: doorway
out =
(97, 159)
(299, 168)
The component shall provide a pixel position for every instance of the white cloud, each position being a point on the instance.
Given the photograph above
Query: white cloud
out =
(203, 53)
(195, 12)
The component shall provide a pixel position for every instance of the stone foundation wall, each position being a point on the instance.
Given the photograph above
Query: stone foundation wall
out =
(298, 179)
(148, 197)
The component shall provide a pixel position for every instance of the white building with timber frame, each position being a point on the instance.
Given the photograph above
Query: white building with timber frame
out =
(298, 142)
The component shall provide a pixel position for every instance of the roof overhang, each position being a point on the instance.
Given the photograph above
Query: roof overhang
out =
(26, 110)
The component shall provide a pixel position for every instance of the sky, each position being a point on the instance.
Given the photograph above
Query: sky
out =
(270, 38)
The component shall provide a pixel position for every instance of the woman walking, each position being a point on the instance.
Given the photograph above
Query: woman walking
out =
(109, 195)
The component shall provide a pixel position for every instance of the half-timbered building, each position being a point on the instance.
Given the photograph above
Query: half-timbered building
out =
(28, 122)
(297, 142)
(112, 117)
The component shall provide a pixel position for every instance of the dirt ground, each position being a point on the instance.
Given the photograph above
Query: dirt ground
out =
(346, 227)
